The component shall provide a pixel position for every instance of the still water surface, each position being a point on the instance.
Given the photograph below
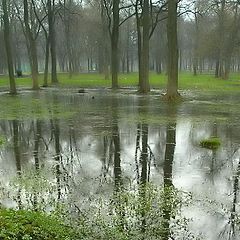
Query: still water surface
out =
(81, 146)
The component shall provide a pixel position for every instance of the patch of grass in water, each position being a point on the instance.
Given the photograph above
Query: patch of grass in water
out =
(212, 143)
(2, 140)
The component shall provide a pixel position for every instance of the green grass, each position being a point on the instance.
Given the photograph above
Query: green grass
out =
(91, 80)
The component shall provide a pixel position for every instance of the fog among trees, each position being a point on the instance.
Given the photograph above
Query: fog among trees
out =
(111, 37)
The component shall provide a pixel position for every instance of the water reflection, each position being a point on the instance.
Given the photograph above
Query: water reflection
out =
(16, 148)
(103, 149)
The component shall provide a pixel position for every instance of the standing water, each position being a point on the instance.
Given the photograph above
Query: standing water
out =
(86, 151)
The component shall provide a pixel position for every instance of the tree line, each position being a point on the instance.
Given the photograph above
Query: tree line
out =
(113, 36)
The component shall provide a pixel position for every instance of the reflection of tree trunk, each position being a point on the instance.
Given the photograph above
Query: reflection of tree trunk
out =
(168, 162)
(144, 174)
(136, 151)
(16, 148)
(36, 157)
(56, 132)
(232, 220)
(117, 159)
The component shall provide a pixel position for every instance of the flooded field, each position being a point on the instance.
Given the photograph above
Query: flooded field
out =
(136, 159)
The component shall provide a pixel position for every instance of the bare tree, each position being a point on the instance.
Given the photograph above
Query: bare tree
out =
(7, 40)
(31, 33)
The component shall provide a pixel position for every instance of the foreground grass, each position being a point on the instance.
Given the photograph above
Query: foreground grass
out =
(91, 80)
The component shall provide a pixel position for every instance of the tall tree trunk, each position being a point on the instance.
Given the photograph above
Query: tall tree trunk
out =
(143, 24)
(7, 40)
(52, 39)
(114, 44)
(144, 84)
(45, 80)
(172, 85)
(32, 47)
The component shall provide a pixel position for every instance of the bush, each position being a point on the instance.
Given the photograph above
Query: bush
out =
(19, 73)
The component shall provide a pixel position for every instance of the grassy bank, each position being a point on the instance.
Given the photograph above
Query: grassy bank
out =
(91, 80)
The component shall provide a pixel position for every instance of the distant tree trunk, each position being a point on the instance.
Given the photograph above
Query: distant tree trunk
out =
(114, 44)
(52, 39)
(195, 50)
(45, 80)
(172, 85)
(7, 40)
(32, 46)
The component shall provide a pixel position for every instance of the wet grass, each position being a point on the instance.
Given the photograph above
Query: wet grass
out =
(23, 107)
(187, 81)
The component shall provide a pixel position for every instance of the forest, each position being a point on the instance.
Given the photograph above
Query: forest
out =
(119, 119)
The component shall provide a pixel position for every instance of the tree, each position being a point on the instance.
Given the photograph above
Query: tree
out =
(143, 28)
(31, 33)
(172, 84)
(114, 43)
(7, 40)
(113, 11)
(52, 39)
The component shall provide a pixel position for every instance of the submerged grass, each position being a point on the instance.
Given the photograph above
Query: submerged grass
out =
(212, 143)
(30, 107)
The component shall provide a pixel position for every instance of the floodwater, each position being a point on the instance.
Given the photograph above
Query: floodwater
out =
(75, 148)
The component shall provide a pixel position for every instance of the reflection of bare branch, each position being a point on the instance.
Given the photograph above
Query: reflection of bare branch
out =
(232, 219)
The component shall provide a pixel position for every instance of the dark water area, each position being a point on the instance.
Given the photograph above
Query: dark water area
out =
(61, 146)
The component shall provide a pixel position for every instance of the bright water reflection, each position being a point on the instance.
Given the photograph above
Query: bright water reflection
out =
(113, 141)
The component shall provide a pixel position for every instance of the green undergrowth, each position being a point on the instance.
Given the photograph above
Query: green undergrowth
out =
(132, 214)
(29, 225)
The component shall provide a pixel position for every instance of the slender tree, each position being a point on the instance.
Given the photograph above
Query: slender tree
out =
(172, 84)
(52, 39)
(7, 40)
(31, 37)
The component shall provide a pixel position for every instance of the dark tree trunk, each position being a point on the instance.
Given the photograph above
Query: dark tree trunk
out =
(172, 85)
(7, 40)
(143, 25)
(114, 44)
(52, 39)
